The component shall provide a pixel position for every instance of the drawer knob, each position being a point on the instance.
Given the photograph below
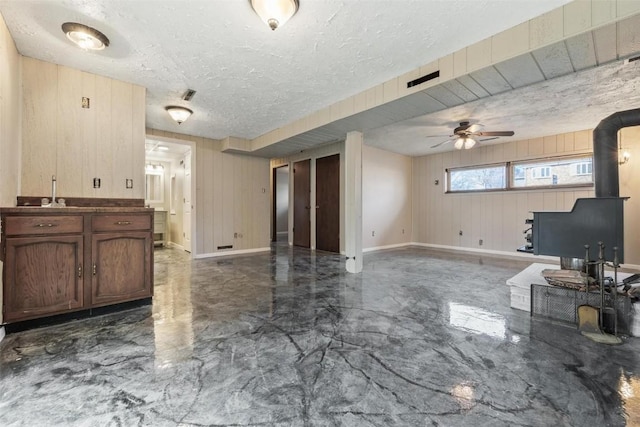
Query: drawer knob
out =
(46, 225)
(122, 222)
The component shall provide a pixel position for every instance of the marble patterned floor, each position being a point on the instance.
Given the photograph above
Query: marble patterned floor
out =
(287, 338)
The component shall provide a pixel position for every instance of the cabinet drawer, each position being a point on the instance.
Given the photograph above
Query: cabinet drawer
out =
(120, 222)
(43, 224)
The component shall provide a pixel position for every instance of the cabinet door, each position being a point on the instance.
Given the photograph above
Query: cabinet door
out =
(42, 276)
(121, 267)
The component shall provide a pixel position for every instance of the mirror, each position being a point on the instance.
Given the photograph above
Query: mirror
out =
(154, 187)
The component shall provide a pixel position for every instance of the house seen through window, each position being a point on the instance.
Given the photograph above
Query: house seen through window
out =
(548, 172)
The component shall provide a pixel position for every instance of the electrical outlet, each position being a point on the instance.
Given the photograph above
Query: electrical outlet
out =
(96, 182)
(460, 233)
(480, 242)
(373, 234)
(86, 102)
(129, 183)
(403, 231)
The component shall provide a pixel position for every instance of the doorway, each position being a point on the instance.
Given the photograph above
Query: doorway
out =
(302, 203)
(328, 203)
(280, 227)
(176, 158)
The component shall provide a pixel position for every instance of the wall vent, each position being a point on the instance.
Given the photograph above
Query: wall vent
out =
(225, 247)
(632, 59)
(423, 79)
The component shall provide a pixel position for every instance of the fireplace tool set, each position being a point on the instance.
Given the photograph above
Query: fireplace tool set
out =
(591, 319)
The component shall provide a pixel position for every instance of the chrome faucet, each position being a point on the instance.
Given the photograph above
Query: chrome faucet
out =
(53, 189)
(45, 203)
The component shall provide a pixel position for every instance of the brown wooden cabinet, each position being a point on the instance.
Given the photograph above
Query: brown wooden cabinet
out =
(56, 262)
(42, 276)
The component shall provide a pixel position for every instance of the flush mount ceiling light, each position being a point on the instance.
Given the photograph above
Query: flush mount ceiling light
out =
(465, 143)
(179, 114)
(86, 37)
(275, 13)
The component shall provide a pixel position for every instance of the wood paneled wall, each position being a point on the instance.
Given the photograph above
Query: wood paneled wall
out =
(77, 144)
(497, 218)
(232, 197)
(9, 124)
(9, 117)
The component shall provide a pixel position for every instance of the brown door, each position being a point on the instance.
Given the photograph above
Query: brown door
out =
(328, 203)
(302, 203)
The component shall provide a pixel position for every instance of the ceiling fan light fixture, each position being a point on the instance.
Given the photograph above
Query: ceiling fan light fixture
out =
(469, 143)
(85, 37)
(275, 13)
(464, 142)
(179, 114)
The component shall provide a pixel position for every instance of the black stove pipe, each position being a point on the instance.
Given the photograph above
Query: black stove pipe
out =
(605, 151)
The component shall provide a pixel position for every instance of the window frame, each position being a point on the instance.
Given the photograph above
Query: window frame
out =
(507, 177)
(510, 175)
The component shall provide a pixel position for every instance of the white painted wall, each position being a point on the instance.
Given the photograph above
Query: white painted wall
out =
(498, 217)
(10, 130)
(282, 199)
(386, 198)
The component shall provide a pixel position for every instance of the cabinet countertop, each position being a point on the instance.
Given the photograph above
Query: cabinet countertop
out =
(30, 210)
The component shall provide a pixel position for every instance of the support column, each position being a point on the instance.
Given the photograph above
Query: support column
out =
(353, 201)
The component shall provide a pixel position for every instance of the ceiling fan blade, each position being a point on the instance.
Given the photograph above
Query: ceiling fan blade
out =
(441, 143)
(487, 139)
(438, 136)
(496, 133)
(474, 128)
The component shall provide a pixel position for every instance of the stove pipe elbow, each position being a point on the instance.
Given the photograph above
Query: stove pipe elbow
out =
(605, 151)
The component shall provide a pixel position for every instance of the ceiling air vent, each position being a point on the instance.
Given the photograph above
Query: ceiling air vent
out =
(188, 94)
(423, 79)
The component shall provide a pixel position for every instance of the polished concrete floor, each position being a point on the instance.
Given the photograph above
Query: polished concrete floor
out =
(288, 338)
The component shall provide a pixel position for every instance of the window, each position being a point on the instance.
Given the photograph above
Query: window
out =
(556, 171)
(541, 173)
(478, 179)
(583, 168)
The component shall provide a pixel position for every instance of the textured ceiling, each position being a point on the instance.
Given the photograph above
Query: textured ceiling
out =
(250, 80)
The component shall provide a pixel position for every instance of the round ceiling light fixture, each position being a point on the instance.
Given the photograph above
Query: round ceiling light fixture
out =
(275, 13)
(179, 114)
(86, 37)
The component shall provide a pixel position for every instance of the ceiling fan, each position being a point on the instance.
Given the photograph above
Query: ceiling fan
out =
(465, 136)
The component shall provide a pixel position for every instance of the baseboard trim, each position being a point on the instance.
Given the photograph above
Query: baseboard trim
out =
(487, 251)
(227, 253)
(175, 245)
(505, 253)
(381, 248)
